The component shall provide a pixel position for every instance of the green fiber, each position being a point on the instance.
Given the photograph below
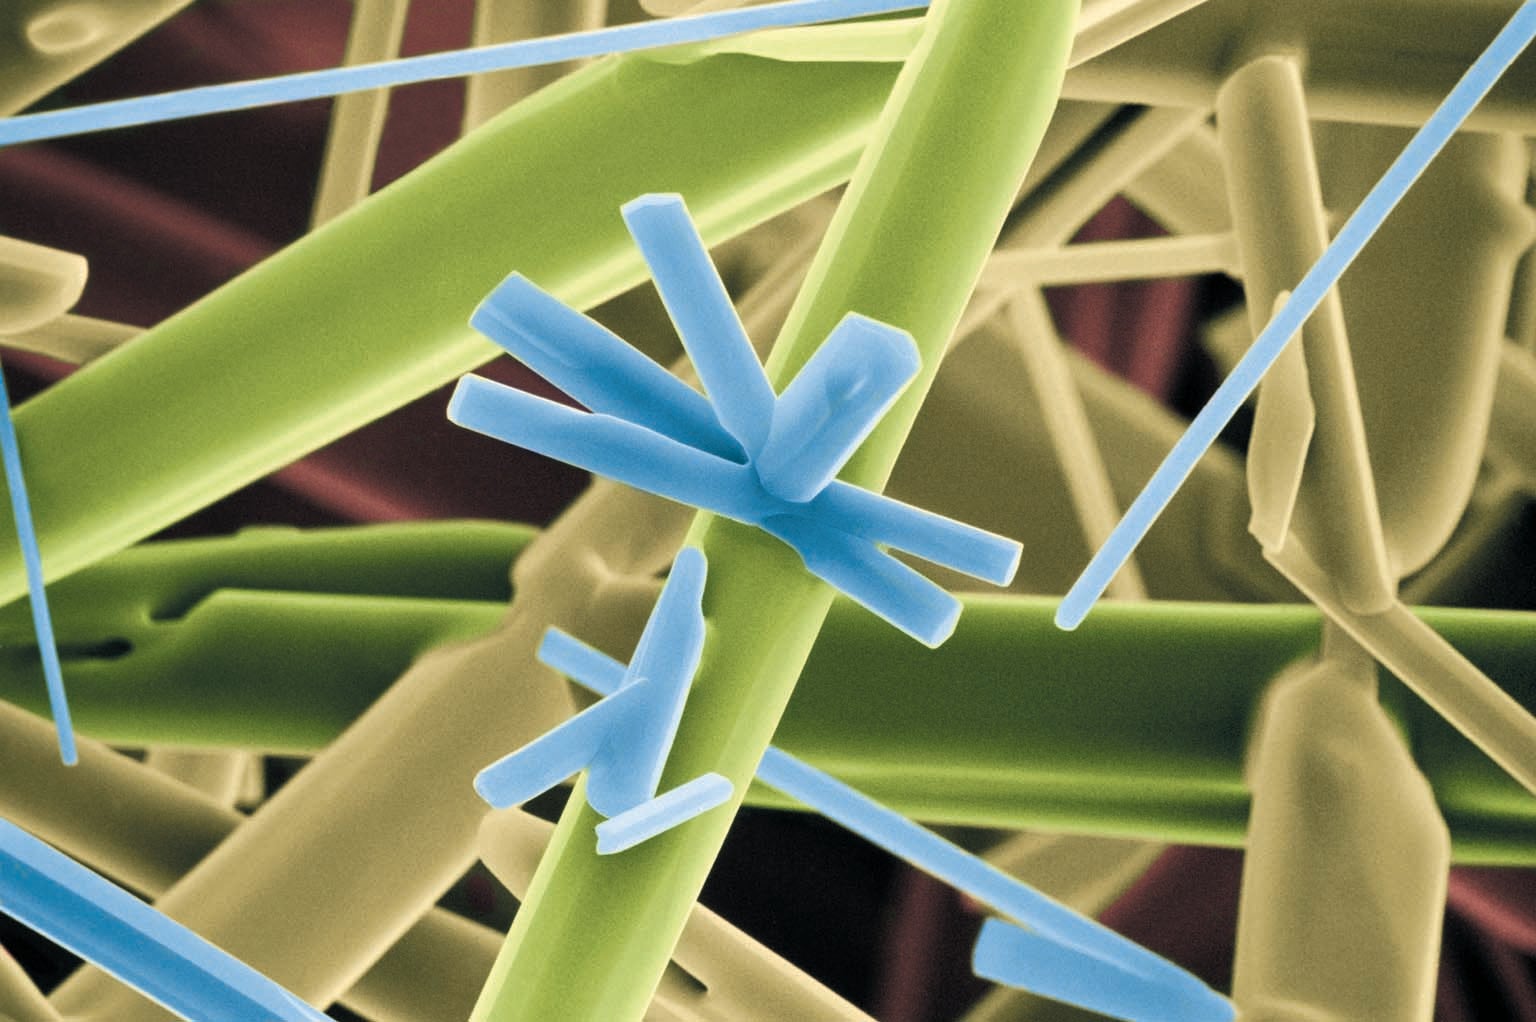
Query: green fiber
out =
(1012, 723)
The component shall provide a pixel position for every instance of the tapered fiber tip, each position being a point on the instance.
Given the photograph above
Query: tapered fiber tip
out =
(990, 956)
(493, 308)
(893, 344)
(491, 793)
(461, 406)
(938, 631)
(1013, 565)
(1069, 615)
(689, 567)
(650, 201)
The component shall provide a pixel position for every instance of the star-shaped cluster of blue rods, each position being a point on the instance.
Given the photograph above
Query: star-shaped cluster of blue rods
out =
(742, 452)
(767, 460)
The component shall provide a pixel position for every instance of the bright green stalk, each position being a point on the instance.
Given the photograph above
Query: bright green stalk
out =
(906, 247)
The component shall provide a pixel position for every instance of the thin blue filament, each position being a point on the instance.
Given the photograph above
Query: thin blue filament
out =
(1305, 298)
(37, 596)
(213, 99)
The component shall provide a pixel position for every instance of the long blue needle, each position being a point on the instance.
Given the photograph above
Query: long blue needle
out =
(1008, 954)
(42, 621)
(1305, 299)
(644, 35)
(986, 883)
(75, 908)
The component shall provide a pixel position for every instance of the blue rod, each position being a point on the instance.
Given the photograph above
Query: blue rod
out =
(37, 596)
(77, 909)
(644, 35)
(1307, 296)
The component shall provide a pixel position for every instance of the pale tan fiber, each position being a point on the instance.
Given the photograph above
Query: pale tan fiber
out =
(1071, 435)
(1054, 207)
(221, 774)
(1522, 299)
(674, 8)
(1085, 872)
(1100, 261)
(1284, 421)
(1512, 428)
(430, 974)
(311, 891)
(1347, 857)
(1032, 253)
(48, 42)
(1277, 213)
(1185, 191)
(1074, 128)
(1441, 676)
(1335, 547)
(1368, 61)
(1054, 213)
(144, 830)
(1102, 25)
(1010, 482)
(1425, 303)
(1047, 219)
(357, 118)
(1106, 24)
(73, 339)
(37, 284)
(20, 999)
(1494, 516)
(139, 827)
